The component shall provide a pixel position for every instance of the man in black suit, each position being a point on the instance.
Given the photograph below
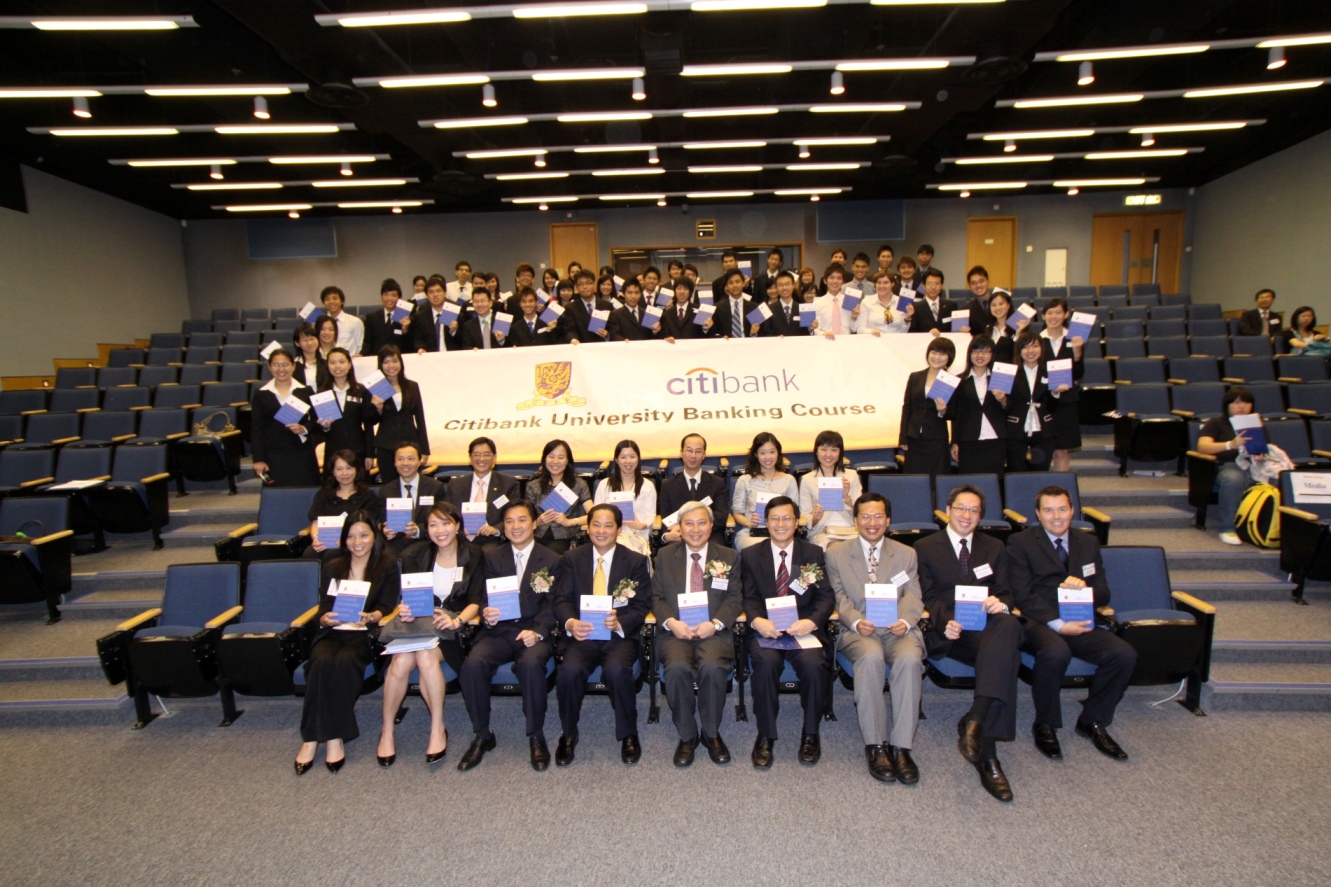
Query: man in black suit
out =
(778, 568)
(478, 332)
(932, 311)
(785, 319)
(732, 308)
(524, 641)
(1040, 559)
(578, 312)
(526, 331)
(693, 485)
(766, 279)
(626, 320)
(429, 331)
(677, 320)
(409, 484)
(1261, 321)
(960, 556)
(484, 484)
(380, 327)
(729, 262)
(978, 308)
(603, 568)
(924, 259)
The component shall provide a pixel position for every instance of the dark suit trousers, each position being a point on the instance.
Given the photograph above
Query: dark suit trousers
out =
(708, 663)
(333, 679)
(981, 456)
(815, 683)
(996, 655)
(1113, 657)
(491, 650)
(616, 657)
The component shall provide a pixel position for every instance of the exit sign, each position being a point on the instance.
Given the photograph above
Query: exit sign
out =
(1141, 200)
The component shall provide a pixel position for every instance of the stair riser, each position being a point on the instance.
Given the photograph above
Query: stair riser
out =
(1264, 656)
(1259, 700)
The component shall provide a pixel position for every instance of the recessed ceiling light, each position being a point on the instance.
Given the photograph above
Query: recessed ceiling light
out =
(604, 117)
(861, 108)
(434, 80)
(564, 10)
(279, 129)
(704, 195)
(478, 121)
(755, 167)
(1071, 100)
(268, 207)
(357, 183)
(1089, 183)
(388, 19)
(1132, 52)
(1132, 155)
(1251, 89)
(524, 176)
(733, 70)
(642, 171)
(117, 131)
(1011, 158)
(893, 65)
(587, 74)
(730, 112)
(237, 186)
(514, 152)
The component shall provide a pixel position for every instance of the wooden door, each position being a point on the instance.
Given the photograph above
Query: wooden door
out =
(991, 242)
(1125, 245)
(574, 242)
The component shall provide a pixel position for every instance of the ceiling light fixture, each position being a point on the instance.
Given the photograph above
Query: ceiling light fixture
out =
(488, 96)
(1015, 158)
(643, 171)
(653, 156)
(346, 169)
(739, 5)
(566, 10)
(661, 202)
(525, 176)
(801, 192)
(571, 74)
(965, 194)
(478, 121)
(293, 215)
(611, 149)
(119, 23)
(1148, 139)
(804, 152)
(215, 163)
(704, 170)
(378, 204)
(1092, 183)
(639, 93)
(1085, 74)
(213, 91)
(1132, 52)
(237, 186)
(1275, 58)
(707, 146)
(699, 113)
(1187, 127)
(267, 207)
(1303, 40)
(924, 2)
(1039, 134)
(849, 140)
(1009, 146)
(21, 93)
(261, 108)
(281, 129)
(542, 199)
(1073, 192)
(1132, 155)
(735, 70)
(343, 159)
(386, 19)
(659, 198)
(1251, 89)
(539, 161)
(604, 117)
(397, 210)
(982, 186)
(1070, 101)
(434, 80)
(894, 65)
(81, 108)
(861, 108)
(707, 195)
(809, 167)
(117, 131)
(838, 83)
(215, 172)
(357, 183)
(508, 152)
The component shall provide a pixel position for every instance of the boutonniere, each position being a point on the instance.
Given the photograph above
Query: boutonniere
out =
(810, 574)
(541, 581)
(717, 569)
(624, 591)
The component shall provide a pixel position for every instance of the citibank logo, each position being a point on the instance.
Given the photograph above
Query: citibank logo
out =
(707, 381)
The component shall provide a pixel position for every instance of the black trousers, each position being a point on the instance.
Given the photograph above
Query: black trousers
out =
(815, 683)
(995, 653)
(1040, 449)
(706, 662)
(333, 679)
(932, 457)
(1113, 657)
(493, 648)
(615, 657)
(981, 456)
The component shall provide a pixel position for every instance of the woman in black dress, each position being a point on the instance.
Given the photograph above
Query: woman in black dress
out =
(346, 490)
(311, 371)
(401, 418)
(284, 452)
(336, 670)
(355, 430)
(978, 416)
(923, 428)
(459, 594)
(1029, 415)
(1065, 435)
(1003, 336)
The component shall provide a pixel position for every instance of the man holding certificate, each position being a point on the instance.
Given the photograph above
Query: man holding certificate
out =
(1042, 562)
(878, 599)
(788, 601)
(696, 598)
(516, 623)
(602, 599)
(963, 580)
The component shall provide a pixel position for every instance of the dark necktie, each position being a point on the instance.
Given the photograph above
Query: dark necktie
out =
(786, 309)
(693, 487)
(736, 319)
(695, 573)
(406, 488)
(531, 327)
(1061, 551)
(782, 578)
(964, 560)
(681, 313)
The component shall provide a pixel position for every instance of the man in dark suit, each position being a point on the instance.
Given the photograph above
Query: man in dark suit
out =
(978, 308)
(526, 331)
(1261, 321)
(677, 320)
(701, 652)
(693, 484)
(778, 568)
(524, 641)
(729, 262)
(626, 320)
(409, 484)
(732, 308)
(1040, 560)
(484, 484)
(960, 556)
(932, 311)
(785, 319)
(603, 569)
(478, 331)
(924, 259)
(578, 312)
(429, 331)
(766, 279)
(380, 327)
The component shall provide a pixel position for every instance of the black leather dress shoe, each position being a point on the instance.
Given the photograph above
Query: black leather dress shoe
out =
(540, 754)
(969, 739)
(716, 749)
(1046, 740)
(629, 750)
(684, 752)
(904, 765)
(564, 751)
(476, 751)
(880, 765)
(994, 780)
(810, 749)
(1103, 742)
(762, 753)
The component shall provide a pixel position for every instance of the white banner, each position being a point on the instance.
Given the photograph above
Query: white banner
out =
(654, 393)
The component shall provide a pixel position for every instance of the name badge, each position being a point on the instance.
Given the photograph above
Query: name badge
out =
(425, 501)
(1088, 570)
(721, 584)
(900, 579)
(707, 501)
(397, 332)
(983, 571)
(796, 587)
(500, 502)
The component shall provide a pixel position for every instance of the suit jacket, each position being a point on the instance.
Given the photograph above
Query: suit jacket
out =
(919, 414)
(721, 319)
(1250, 323)
(576, 318)
(1035, 570)
(760, 283)
(672, 327)
(427, 334)
(379, 332)
(979, 316)
(469, 588)
(940, 574)
(672, 577)
(426, 486)
(501, 485)
(383, 597)
(924, 320)
(538, 612)
(469, 334)
(267, 436)
(675, 493)
(520, 337)
(355, 430)
(1019, 402)
(1078, 367)
(397, 426)
(964, 411)
(776, 324)
(575, 579)
(848, 572)
(626, 325)
(321, 377)
(815, 604)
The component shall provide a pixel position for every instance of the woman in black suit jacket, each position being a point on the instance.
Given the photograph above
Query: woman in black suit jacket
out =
(459, 594)
(1028, 412)
(311, 370)
(969, 414)
(284, 452)
(527, 328)
(1004, 337)
(923, 428)
(355, 430)
(336, 670)
(401, 418)
(1065, 434)
(345, 491)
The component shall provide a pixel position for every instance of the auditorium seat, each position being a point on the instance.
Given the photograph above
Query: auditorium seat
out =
(1130, 347)
(109, 426)
(162, 424)
(134, 500)
(73, 400)
(190, 327)
(912, 505)
(1269, 398)
(172, 397)
(163, 356)
(1146, 430)
(1162, 328)
(1194, 369)
(1246, 370)
(227, 326)
(255, 326)
(49, 430)
(113, 377)
(205, 340)
(244, 338)
(282, 531)
(124, 357)
(1199, 399)
(1019, 293)
(1305, 535)
(1170, 299)
(221, 394)
(992, 522)
(11, 429)
(1301, 369)
(22, 471)
(81, 462)
(1311, 400)
(116, 399)
(1145, 289)
(166, 340)
(1053, 292)
(37, 569)
(225, 314)
(239, 372)
(75, 377)
(1255, 346)
(1111, 300)
(1167, 347)
(1129, 312)
(1210, 346)
(1097, 390)
(1137, 370)
(1124, 329)
(239, 353)
(1205, 311)
(1170, 312)
(1020, 487)
(254, 314)
(287, 325)
(13, 402)
(199, 374)
(280, 313)
(156, 376)
(198, 354)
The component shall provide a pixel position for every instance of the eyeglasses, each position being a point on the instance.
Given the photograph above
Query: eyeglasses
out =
(964, 509)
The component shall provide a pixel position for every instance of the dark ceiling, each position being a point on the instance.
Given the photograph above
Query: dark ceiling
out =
(279, 42)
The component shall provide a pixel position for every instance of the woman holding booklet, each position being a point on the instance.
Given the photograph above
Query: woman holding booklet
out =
(400, 415)
(626, 483)
(763, 480)
(1001, 329)
(828, 493)
(1219, 438)
(343, 409)
(923, 426)
(346, 490)
(284, 433)
(1029, 414)
(556, 528)
(359, 587)
(978, 414)
(1060, 345)
(448, 568)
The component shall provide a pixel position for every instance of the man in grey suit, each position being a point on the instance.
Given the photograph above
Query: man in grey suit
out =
(873, 648)
(701, 650)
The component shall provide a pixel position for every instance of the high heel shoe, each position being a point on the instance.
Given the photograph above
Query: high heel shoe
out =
(334, 766)
(435, 757)
(303, 768)
(386, 760)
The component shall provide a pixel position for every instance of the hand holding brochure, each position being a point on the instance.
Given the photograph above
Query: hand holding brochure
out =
(945, 385)
(593, 608)
(418, 594)
(449, 312)
(1022, 312)
(960, 322)
(831, 493)
(289, 414)
(850, 300)
(325, 406)
(553, 311)
(905, 299)
(1250, 426)
(1081, 325)
(329, 530)
(598, 320)
(693, 607)
(397, 513)
(1076, 604)
(651, 316)
(969, 607)
(473, 516)
(350, 598)
(1060, 373)
(759, 314)
(379, 386)
(401, 311)
(624, 502)
(782, 611)
(561, 499)
(503, 323)
(703, 313)
(808, 314)
(1001, 377)
(880, 603)
(760, 501)
(502, 594)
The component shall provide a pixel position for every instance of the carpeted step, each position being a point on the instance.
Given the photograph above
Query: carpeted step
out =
(1269, 686)
(1222, 585)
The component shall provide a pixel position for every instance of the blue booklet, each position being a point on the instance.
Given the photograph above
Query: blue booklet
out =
(759, 314)
(598, 320)
(969, 607)
(1250, 426)
(561, 499)
(1060, 373)
(850, 300)
(784, 642)
(831, 494)
(309, 312)
(693, 609)
(880, 603)
(1002, 376)
(350, 600)
(418, 594)
(945, 385)
(401, 311)
(808, 314)
(1076, 604)
(553, 311)
(329, 530)
(651, 316)
(1081, 325)
(703, 313)
(473, 516)
(905, 299)
(449, 312)
(783, 611)
(378, 385)
(325, 406)
(397, 513)
(624, 502)
(502, 594)
(959, 322)
(1023, 312)
(502, 323)
(663, 298)
(593, 608)
(289, 414)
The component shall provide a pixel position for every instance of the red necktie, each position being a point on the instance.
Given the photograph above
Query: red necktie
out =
(782, 578)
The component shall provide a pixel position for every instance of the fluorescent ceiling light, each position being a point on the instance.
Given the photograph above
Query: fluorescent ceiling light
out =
(730, 112)
(1039, 134)
(1252, 88)
(703, 195)
(1089, 183)
(562, 10)
(1132, 52)
(434, 80)
(732, 5)
(893, 65)
(977, 186)
(643, 171)
(356, 183)
(756, 167)
(329, 158)
(705, 146)
(604, 117)
(612, 149)
(237, 186)
(1130, 155)
(543, 199)
(125, 23)
(926, 2)
(19, 93)
(514, 152)
(861, 108)
(1068, 101)
(1305, 40)
(117, 131)
(283, 129)
(808, 167)
(268, 207)
(805, 192)
(1009, 158)
(587, 74)
(169, 91)
(523, 176)
(479, 121)
(383, 19)
(206, 161)
(729, 70)
(1188, 127)
(377, 204)
(631, 197)
(849, 140)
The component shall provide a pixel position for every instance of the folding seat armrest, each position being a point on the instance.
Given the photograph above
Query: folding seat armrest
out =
(1122, 381)
(1017, 519)
(33, 412)
(940, 517)
(121, 438)
(1232, 380)
(39, 482)
(1095, 514)
(242, 531)
(164, 476)
(61, 441)
(1107, 612)
(143, 620)
(304, 618)
(1177, 381)
(1299, 513)
(192, 406)
(51, 537)
(391, 615)
(89, 410)
(179, 435)
(1192, 604)
(1307, 414)
(657, 524)
(1183, 414)
(1325, 454)
(1289, 379)
(1100, 521)
(223, 618)
(139, 409)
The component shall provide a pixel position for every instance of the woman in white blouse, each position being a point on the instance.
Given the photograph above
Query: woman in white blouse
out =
(625, 477)
(877, 316)
(763, 476)
(828, 526)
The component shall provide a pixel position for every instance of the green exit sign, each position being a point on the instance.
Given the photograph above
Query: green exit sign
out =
(1141, 200)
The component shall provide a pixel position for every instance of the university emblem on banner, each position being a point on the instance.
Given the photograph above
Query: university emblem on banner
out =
(552, 382)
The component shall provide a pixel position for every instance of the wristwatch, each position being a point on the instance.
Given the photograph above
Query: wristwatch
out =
(719, 625)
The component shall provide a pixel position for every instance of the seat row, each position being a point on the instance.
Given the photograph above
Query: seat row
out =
(1286, 369)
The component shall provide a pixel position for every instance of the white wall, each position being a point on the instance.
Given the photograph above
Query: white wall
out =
(81, 268)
